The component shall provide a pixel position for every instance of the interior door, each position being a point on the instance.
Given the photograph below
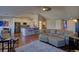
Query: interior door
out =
(17, 27)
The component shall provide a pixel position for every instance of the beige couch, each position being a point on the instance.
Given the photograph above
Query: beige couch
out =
(56, 37)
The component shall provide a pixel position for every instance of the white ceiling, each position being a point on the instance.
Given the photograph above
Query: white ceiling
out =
(57, 12)
(18, 10)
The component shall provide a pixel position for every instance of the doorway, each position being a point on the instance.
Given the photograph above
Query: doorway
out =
(17, 27)
(42, 24)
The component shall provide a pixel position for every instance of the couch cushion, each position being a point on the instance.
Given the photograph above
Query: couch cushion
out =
(55, 38)
(53, 31)
(48, 30)
(61, 36)
(56, 35)
(60, 32)
(68, 33)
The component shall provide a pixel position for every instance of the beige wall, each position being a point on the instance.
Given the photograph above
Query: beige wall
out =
(58, 24)
(54, 24)
(71, 25)
(51, 24)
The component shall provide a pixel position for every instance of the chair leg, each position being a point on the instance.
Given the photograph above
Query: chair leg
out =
(8, 47)
(2, 46)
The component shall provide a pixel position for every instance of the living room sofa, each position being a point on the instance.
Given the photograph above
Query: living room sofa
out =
(56, 37)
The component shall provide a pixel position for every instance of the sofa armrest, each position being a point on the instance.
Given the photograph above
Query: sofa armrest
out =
(43, 37)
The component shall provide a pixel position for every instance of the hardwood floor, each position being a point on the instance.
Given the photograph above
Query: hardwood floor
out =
(22, 40)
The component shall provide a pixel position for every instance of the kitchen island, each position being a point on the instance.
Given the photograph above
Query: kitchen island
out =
(29, 34)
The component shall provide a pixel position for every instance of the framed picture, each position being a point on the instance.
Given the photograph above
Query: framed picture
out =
(1, 23)
(65, 24)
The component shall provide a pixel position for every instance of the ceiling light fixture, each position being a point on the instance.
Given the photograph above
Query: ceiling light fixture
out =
(75, 20)
(46, 8)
